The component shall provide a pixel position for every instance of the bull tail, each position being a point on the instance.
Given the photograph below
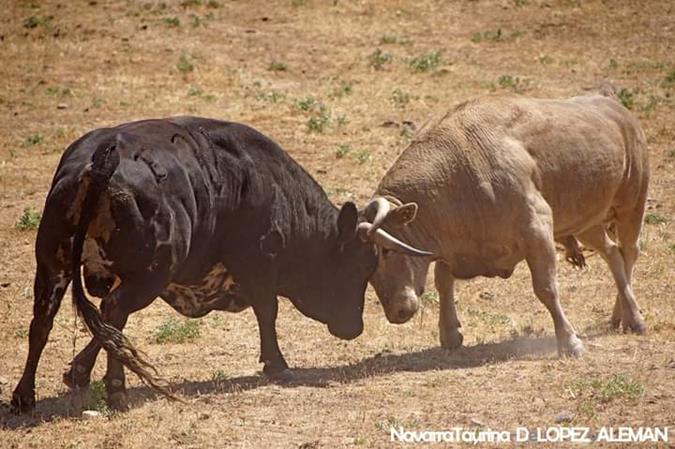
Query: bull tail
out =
(104, 163)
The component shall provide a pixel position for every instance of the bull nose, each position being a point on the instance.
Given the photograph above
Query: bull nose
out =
(403, 313)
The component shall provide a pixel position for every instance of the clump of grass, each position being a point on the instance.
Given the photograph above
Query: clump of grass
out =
(218, 376)
(194, 91)
(654, 218)
(307, 104)
(172, 22)
(627, 98)
(342, 150)
(401, 98)
(319, 120)
(38, 21)
(343, 89)
(429, 298)
(511, 82)
(545, 59)
(57, 91)
(618, 386)
(277, 66)
(97, 398)
(495, 319)
(185, 64)
(426, 62)
(390, 39)
(669, 79)
(207, 3)
(29, 220)
(378, 59)
(363, 156)
(174, 331)
(33, 139)
(270, 97)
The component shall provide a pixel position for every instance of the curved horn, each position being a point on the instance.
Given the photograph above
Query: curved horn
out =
(379, 207)
(388, 241)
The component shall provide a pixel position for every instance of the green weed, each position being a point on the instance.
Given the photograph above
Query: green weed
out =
(29, 220)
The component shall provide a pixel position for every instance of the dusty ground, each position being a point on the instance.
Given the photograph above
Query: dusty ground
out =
(68, 67)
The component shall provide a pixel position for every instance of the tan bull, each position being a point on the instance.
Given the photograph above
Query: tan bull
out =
(500, 179)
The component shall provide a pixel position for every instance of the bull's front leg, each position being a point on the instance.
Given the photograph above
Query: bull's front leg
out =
(265, 311)
(448, 323)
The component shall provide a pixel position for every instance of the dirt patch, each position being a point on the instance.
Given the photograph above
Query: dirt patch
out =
(342, 86)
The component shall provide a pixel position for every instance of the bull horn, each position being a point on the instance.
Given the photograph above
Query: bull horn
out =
(384, 239)
(379, 207)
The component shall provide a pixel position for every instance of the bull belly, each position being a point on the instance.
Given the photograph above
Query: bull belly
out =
(216, 291)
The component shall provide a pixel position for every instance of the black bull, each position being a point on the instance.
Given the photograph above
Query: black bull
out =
(207, 215)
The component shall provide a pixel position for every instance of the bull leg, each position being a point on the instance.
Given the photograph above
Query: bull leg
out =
(448, 323)
(131, 296)
(619, 262)
(48, 290)
(270, 355)
(541, 260)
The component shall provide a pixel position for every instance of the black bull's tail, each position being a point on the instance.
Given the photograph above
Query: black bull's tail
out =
(104, 163)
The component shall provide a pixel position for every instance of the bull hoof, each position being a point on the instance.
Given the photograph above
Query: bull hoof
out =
(636, 326)
(283, 376)
(452, 339)
(571, 348)
(118, 401)
(73, 381)
(22, 403)
(80, 397)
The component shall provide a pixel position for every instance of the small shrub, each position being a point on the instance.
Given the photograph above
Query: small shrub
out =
(174, 331)
(185, 64)
(271, 96)
(320, 120)
(29, 220)
(606, 390)
(545, 59)
(426, 62)
(429, 298)
(378, 59)
(390, 39)
(194, 91)
(613, 64)
(363, 156)
(218, 376)
(172, 22)
(277, 66)
(33, 139)
(654, 218)
(669, 80)
(401, 98)
(38, 21)
(626, 97)
(344, 88)
(97, 398)
(307, 104)
(56, 91)
(342, 150)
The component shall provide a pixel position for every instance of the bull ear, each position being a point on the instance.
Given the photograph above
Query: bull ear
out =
(347, 222)
(402, 215)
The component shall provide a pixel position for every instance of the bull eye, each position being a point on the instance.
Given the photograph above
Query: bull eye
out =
(385, 252)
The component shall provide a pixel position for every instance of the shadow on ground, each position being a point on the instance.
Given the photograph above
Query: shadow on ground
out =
(523, 348)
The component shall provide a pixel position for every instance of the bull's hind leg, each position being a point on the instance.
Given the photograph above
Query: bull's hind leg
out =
(621, 262)
(448, 323)
(49, 288)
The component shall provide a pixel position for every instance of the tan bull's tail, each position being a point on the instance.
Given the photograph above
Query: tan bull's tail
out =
(104, 163)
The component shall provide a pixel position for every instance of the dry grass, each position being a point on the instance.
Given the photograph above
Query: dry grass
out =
(69, 67)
